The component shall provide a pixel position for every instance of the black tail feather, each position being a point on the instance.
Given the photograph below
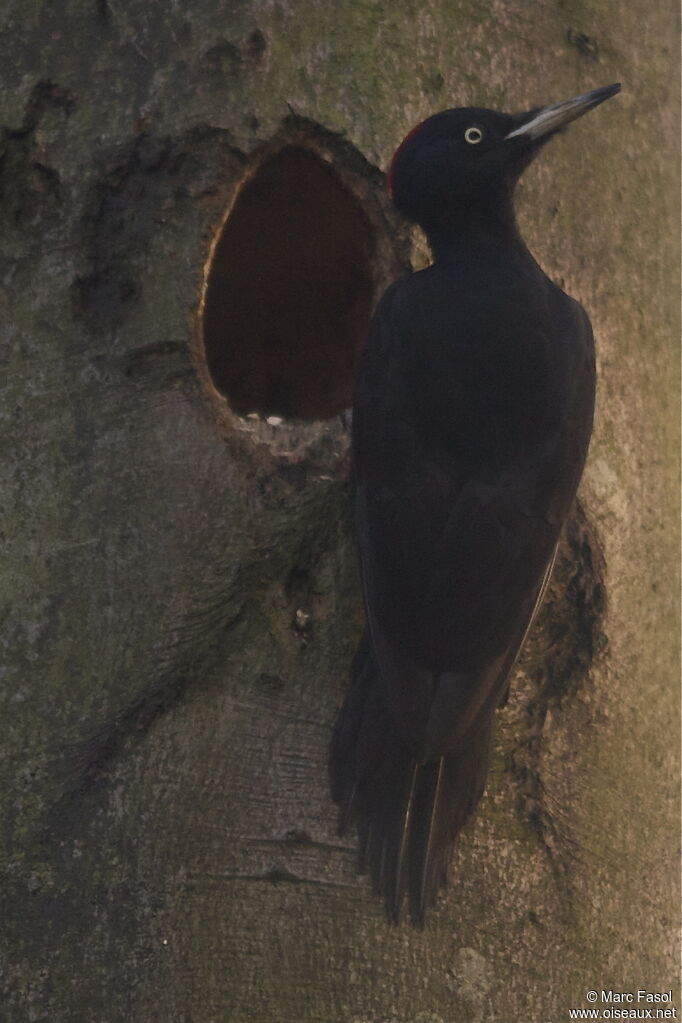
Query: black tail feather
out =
(408, 814)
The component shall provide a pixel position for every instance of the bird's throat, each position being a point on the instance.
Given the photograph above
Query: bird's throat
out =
(473, 222)
(459, 242)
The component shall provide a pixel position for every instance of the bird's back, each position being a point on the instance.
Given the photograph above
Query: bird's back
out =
(471, 423)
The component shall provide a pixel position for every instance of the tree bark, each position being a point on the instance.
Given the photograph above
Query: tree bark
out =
(180, 590)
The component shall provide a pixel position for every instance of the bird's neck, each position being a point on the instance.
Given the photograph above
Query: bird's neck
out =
(479, 244)
(477, 224)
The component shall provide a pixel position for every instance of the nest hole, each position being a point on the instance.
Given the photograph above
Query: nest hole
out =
(289, 290)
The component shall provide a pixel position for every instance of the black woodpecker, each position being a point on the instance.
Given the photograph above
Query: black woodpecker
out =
(471, 421)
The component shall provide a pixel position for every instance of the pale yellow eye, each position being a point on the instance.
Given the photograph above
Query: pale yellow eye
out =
(473, 135)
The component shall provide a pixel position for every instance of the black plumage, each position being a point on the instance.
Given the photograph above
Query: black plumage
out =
(471, 422)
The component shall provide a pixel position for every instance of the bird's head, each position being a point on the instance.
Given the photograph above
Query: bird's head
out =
(468, 159)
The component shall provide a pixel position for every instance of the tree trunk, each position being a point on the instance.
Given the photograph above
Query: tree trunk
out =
(181, 185)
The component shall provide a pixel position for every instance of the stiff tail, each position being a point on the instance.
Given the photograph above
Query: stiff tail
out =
(408, 814)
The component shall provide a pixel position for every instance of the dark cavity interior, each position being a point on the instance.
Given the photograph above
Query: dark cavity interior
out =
(289, 291)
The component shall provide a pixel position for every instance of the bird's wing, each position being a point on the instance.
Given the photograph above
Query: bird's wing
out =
(448, 610)
(454, 546)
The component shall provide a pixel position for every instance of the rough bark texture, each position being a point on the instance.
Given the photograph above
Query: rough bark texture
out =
(180, 594)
